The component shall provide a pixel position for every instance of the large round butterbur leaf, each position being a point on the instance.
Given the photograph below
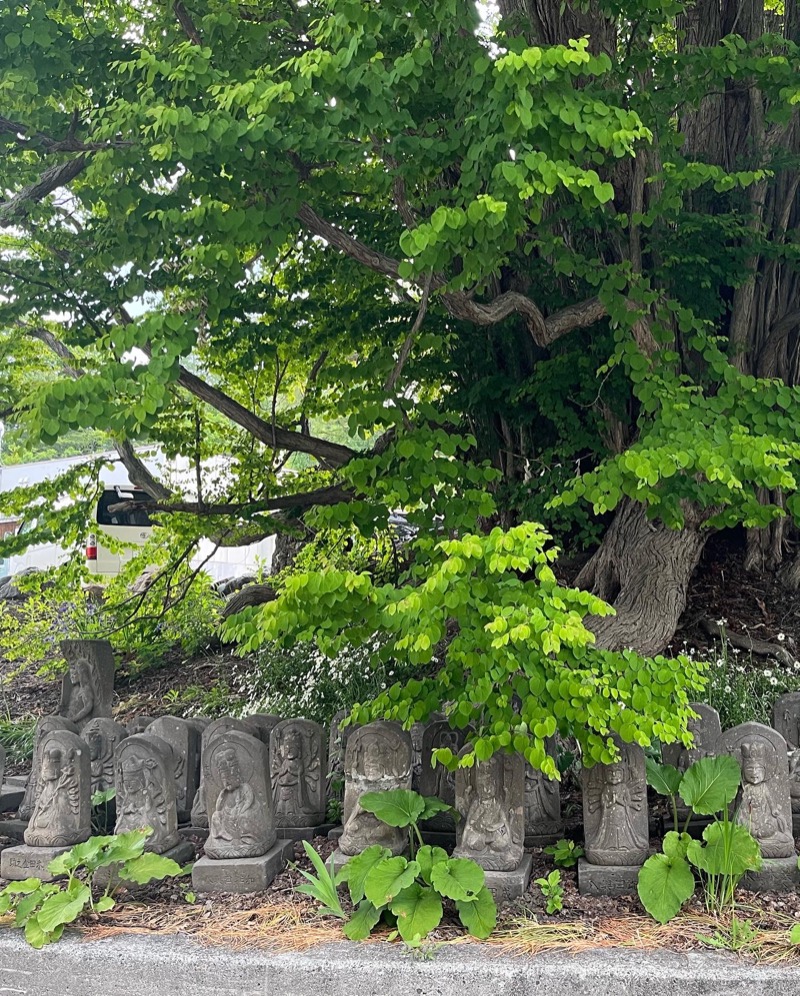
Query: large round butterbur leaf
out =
(664, 885)
(458, 878)
(479, 916)
(358, 867)
(397, 808)
(362, 921)
(730, 849)
(428, 856)
(711, 784)
(433, 806)
(418, 910)
(62, 907)
(388, 878)
(663, 778)
(147, 867)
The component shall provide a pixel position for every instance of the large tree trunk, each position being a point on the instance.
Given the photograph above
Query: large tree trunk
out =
(643, 569)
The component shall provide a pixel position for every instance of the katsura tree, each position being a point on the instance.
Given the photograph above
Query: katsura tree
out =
(540, 259)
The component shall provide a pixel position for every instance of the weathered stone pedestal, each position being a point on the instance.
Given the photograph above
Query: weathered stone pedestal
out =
(19, 863)
(241, 874)
(11, 796)
(304, 833)
(542, 839)
(13, 829)
(607, 880)
(776, 875)
(182, 854)
(335, 832)
(508, 885)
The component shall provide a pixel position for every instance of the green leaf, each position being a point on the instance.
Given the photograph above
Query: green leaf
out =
(362, 921)
(794, 934)
(63, 907)
(147, 867)
(397, 808)
(458, 878)
(24, 887)
(710, 784)
(676, 844)
(664, 885)
(480, 915)
(730, 849)
(358, 867)
(664, 778)
(104, 904)
(388, 878)
(34, 934)
(418, 910)
(427, 857)
(432, 807)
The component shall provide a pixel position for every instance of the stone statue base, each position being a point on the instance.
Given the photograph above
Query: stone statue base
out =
(19, 863)
(11, 797)
(182, 853)
(190, 831)
(304, 833)
(776, 875)
(241, 874)
(607, 880)
(543, 839)
(13, 829)
(335, 832)
(508, 885)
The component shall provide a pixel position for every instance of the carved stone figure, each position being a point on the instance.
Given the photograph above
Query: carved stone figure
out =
(786, 719)
(87, 689)
(102, 736)
(237, 784)
(225, 724)
(764, 804)
(144, 768)
(44, 726)
(706, 731)
(438, 781)
(542, 799)
(184, 740)
(297, 759)
(62, 814)
(490, 798)
(615, 819)
(378, 757)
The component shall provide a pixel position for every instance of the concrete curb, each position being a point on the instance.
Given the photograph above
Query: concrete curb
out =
(177, 966)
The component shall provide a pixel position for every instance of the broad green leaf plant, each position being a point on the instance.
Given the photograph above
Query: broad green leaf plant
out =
(406, 892)
(45, 908)
(728, 849)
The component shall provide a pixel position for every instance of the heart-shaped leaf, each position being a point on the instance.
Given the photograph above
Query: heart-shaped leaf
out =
(480, 915)
(418, 910)
(458, 878)
(362, 921)
(63, 907)
(427, 857)
(711, 784)
(397, 808)
(358, 867)
(730, 849)
(388, 878)
(664, 885)
(664, 778)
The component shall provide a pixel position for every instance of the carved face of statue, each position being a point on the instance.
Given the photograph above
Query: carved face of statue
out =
(229, 771)
(78, 672)
(292, 747)
(449, 739)
(95, 741)
(51, 764)
(485, 780)
(133, 779)
(373, 760)
(754, 766)
(615, 773)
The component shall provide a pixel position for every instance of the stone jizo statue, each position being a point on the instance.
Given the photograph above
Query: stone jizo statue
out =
(297, 758)
(87, 689)
(44, 726)
(237, 783)
(144, 770)
(615, 816)
(490, 799)
(62, 814)
(378, 757)
(102, 736)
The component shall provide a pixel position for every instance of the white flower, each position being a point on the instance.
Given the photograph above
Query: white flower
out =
(773, 681)
(728, 689)
(722, 622)
(768, 674)
(781, 637)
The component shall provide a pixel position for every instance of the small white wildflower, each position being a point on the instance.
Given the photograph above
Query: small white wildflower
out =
(781, 637)
(722, 622)
(773, 681)
(768, 674)
(728, 689)
(797, 665)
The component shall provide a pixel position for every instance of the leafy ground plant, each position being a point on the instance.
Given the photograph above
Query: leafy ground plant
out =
(44, 908)
(565, 853)
(406, 893)
(728, 849)
(552, 890)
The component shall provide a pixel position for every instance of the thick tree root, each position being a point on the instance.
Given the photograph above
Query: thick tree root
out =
(761, 648)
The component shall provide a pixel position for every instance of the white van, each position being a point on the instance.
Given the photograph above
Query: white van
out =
(130, 526)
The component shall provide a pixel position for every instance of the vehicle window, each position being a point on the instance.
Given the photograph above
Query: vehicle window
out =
(130, 517)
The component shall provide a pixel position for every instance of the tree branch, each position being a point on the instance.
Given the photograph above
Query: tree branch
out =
(330, 495)
(186, 22)
(15, 209)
